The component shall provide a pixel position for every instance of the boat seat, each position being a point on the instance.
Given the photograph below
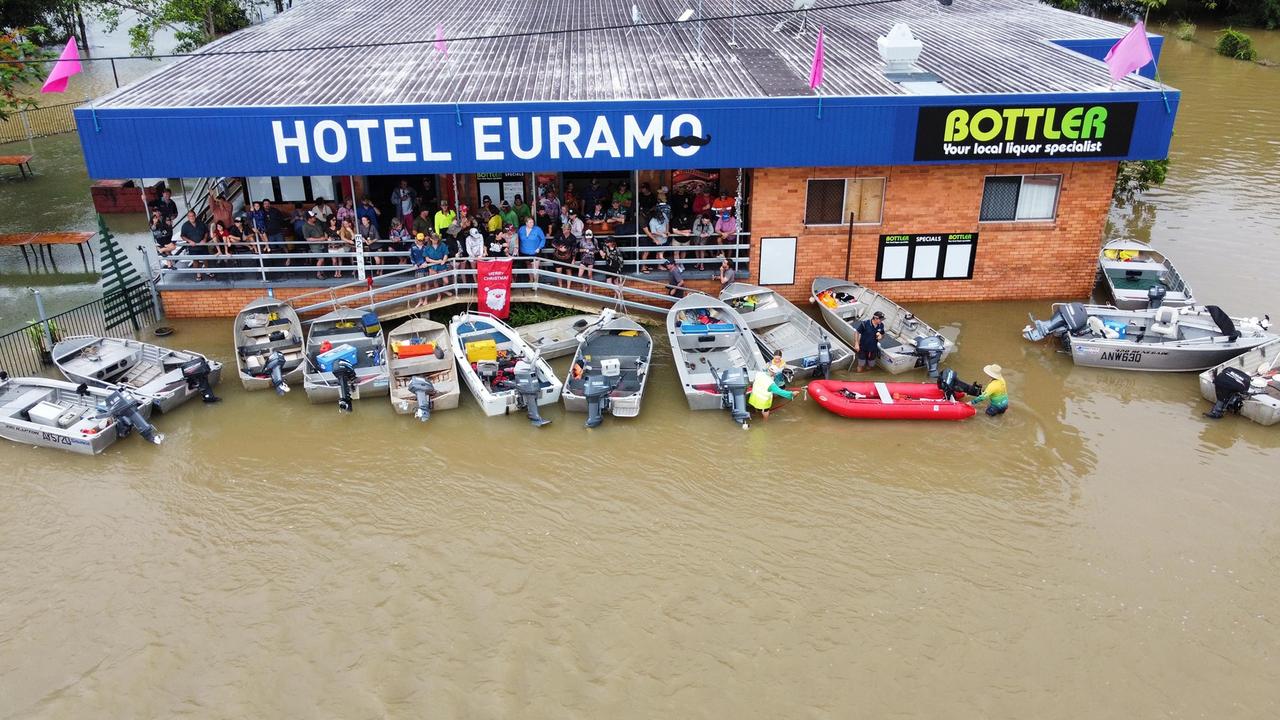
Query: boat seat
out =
(25, 401)
(1164, 323)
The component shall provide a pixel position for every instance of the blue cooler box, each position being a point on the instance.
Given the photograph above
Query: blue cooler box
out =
(346, 352)
(1119, 326)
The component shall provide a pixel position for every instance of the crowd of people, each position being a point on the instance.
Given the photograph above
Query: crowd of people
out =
(579, 231)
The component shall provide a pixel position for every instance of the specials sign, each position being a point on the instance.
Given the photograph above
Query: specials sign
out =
(1037, 132)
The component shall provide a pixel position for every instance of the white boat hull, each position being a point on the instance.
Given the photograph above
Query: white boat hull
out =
(501, 402)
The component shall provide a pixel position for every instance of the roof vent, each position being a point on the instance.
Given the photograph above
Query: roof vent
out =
(899, 50)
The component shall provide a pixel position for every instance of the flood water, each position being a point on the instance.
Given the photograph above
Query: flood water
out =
(1100, 551)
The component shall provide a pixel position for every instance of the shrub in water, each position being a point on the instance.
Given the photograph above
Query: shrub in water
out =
(1235, 44)
(1186, 30)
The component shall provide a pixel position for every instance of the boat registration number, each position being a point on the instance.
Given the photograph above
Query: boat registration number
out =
(55, 438)
(1125, 356)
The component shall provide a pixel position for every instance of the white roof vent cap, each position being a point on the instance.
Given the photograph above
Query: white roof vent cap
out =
(899, 49)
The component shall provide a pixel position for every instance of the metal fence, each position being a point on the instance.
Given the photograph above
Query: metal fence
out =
(26, 351)
(39, 122)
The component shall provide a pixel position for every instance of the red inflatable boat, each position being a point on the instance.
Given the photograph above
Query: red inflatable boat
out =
(888, 401)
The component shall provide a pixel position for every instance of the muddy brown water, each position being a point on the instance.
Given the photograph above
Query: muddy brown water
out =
(1100, 551)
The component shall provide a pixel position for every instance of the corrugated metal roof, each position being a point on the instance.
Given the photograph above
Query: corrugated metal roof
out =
(975, 46)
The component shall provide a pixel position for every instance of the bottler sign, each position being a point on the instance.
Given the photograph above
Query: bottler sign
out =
(1039, 132)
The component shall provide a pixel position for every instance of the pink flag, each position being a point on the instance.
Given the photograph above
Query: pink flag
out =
(1131, 53)
(819, 55)
(440, 46)
(68, 64)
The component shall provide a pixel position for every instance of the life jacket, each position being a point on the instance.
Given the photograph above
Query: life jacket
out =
(761, 398)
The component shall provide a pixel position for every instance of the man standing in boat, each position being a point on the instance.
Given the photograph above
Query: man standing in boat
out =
(866, 344)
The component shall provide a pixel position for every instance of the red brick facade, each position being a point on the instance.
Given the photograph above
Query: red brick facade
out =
(1015, 260)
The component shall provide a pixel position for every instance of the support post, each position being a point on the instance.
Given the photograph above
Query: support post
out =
(44, 319)
(848, 250)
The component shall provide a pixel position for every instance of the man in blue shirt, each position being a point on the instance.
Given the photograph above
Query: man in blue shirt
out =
(867, 342)
(531, 240)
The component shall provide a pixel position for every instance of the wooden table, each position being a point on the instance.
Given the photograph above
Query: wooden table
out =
(23, 162)
(44, 242)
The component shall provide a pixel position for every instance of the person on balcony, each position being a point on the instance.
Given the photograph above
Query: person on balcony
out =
(404, 201)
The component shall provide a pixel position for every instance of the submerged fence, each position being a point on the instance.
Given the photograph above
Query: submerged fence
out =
(26, 351)
(39, 122)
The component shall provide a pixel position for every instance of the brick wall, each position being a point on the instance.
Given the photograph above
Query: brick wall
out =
(1054, 259)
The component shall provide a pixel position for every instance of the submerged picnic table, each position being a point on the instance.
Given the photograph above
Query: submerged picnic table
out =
(23, 162)
(44, 242)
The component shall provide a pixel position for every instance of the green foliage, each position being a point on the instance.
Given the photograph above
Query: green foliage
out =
(1235, 44)
(44, 22)
(193, 22)
(1136, 177)
(530, 313)
(1186, 30)
(35, 334)
(17, 80)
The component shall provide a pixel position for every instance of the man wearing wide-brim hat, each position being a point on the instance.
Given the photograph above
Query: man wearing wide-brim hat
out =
(996, 393)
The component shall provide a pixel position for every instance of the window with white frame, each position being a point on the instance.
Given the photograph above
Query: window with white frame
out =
(291, 189)
(1020, 197)
(832, 201)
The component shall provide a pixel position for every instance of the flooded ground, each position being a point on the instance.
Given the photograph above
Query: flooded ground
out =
(1100, 551)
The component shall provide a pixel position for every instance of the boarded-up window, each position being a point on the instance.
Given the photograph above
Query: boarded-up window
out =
(831, 202)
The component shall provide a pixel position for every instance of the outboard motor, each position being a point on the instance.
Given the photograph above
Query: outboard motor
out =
(1070, 318)
(1231, 387)
(952, 386)
(596, 389)
(425, 391)
(733, 392)
(345, 373)
(823, 366)
(528, 387)
(274, 368)
(124, 408)
(1155, 296)
(196, 373)
(929, 353)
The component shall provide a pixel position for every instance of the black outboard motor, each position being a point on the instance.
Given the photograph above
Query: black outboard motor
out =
(345, 373)
(124, 408)
(929, 353)
(425, 392)
(1231, 387)
(528, 387)
(196, 372)
(733, 392)
(274, 369)
(951, 385)
(1070, 318)
(596, 388)
(823, 367)
(1155, 296)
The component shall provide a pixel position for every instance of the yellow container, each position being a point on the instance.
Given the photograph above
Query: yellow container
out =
(478, 350)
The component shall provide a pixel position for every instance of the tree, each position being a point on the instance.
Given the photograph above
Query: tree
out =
(18, 79)
(1136, 177)
(193, 22)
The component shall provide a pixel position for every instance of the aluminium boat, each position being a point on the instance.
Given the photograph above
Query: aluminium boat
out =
(1154, 339)
(1130, 269)
(715, 354)
(1248, 384)
(166, 377)
(264, 328)
(419, 350)
(63, 415)
(350, 342)
(555, 338)
(779, 325)
(908, 341)
(609, 369)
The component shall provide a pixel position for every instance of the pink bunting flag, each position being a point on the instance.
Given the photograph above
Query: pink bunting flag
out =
(68, 64)
(1131, 53)
(440, 46)
(819, 56)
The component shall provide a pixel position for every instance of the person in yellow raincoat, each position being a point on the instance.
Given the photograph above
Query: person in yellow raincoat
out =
(763, 388)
